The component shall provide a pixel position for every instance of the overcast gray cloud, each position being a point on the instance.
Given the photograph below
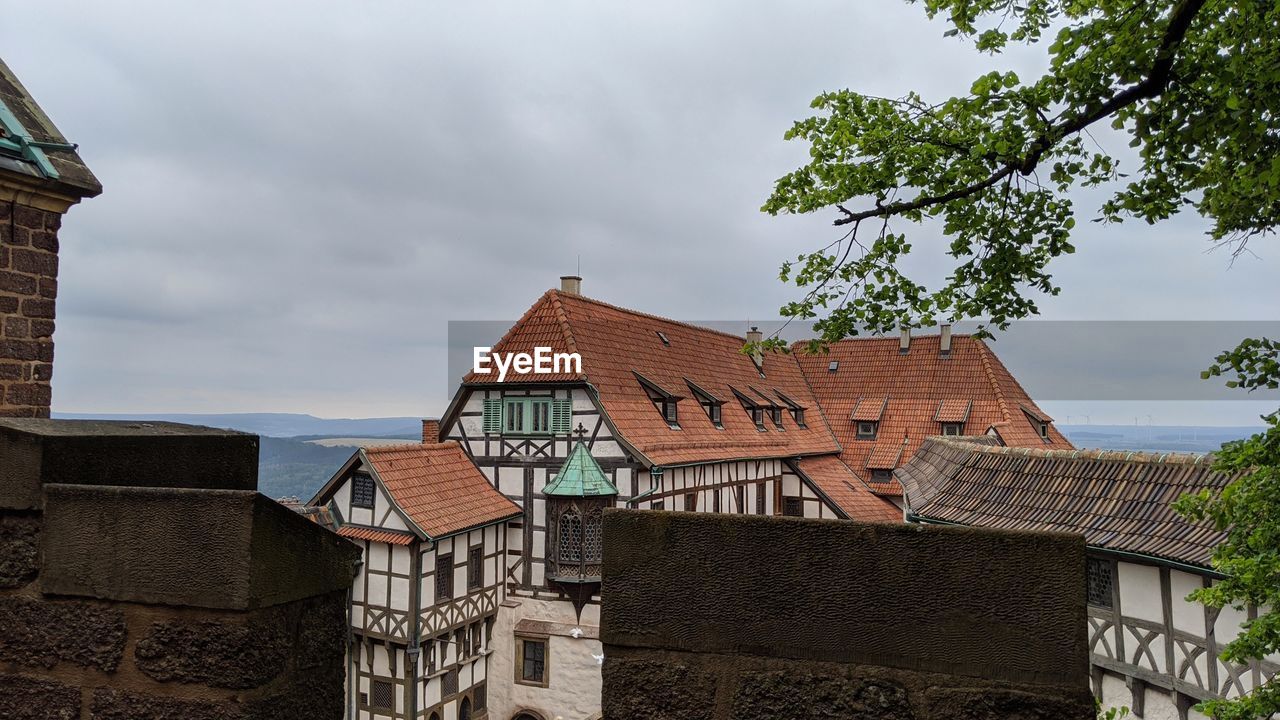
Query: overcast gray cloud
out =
(299, 196)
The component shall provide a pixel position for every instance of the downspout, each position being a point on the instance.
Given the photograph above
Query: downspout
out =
(655, 475)
(352, 680)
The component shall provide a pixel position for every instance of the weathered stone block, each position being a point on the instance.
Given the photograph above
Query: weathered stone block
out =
(994, 604)
(653, 688)
(36, 262)
(19, 550)
(110, 704)
(24, 698)
(94, 452)
(227, 549)
(988, 704)
(16, 282)
(777, 694)
(43, 633)
(235, 655)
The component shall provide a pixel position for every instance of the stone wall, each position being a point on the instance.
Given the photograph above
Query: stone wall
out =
(28, 289)
(148, 601)
(712, 617)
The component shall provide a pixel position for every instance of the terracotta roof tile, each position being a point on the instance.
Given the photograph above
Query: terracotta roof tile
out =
(616, 344)
(885, 455)
(843, 487)
(920, 385)
(391, 537)
(868, 409)
(438, 487)
(1117, 500)
(953, 410)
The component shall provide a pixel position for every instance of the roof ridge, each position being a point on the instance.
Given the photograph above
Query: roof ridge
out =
(985, 353)
(1134, 456)
(649, 316)
(557, 306)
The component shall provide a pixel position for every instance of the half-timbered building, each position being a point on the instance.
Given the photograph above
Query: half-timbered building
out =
(424, 606)
(884, 396)
(1152, 649)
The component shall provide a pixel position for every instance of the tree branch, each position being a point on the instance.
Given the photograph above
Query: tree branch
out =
(1155, 83)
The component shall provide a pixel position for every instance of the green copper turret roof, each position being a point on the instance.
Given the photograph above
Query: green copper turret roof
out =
(580, 476)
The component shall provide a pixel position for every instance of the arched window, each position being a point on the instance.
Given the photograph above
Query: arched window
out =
(464, 709)
(591, 536)
(570, 537)
(435, 716)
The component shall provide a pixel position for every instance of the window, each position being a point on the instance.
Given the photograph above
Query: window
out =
(713, 412)
(669, 413)
(757, 417)
(710, 403)
(759, 498)
(658, 505)
(798, 415)
(362, 491)
(444, 577)
(663, 337)
(528, 416)
(480, 697)
(1044, 430)
(571, 537)
(475, 567)
(464, 709)
(797, 410)
(449, 684)
(775, 414)
(833, 366)
(381, 695)
(593, 537)
(691, 501)
(793, 507)
(881, 475)
(952, 428)
(867, 430)
(429, 650)
(752, 406)
(1100, 582)
(531, 661)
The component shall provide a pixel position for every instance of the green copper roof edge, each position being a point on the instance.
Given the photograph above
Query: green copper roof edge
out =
(19, 137)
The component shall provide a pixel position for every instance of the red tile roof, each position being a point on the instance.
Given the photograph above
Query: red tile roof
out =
(438, 487)
(953, 411)
(922, 387)
(844, 488)
(885, 455)
(616, 343)
(393, 537)
(1117, 500)
(868, 409)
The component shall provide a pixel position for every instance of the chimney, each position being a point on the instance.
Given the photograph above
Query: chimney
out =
(945, 340)
(571, 284)
(904, 344)
(430, 431)
(754, 336)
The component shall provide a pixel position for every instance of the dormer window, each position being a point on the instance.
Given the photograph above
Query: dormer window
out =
(757, 417)
(867, 430)
(952, 428)
(1044, 430)
(796, 409)
(710, 403)
(755, 408)
(1039, 421)
(663, 401)
(952, 414)
(775, 414)
(881, 475)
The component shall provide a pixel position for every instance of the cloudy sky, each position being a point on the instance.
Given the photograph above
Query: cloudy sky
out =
(300, 195)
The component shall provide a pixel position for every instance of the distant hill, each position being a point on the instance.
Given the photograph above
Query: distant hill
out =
(287, 464)
(1154, 438)
(279, 424)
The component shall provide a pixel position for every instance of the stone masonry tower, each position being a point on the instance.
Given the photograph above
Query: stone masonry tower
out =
(41, 177)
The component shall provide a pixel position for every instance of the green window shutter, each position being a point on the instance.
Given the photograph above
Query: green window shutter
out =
(492, 416)
(562, 417)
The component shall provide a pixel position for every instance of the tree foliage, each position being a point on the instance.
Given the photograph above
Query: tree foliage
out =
(1195, 87)
(1193, 84)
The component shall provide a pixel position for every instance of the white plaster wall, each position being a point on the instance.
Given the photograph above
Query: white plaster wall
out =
(1140, 592)
(574, 689)
(1159, 705)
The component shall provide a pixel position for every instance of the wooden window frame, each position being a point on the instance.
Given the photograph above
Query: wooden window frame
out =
(545, 642)
(531, 408)
(475, 567)
(362, 479)
(444, 577)
(372, 695)
(787, 501)
(952, 429)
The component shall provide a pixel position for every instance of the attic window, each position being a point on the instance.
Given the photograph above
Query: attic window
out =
(1044, 430)
(1038, 420)
(665, 402)
(833, 366)
(952, 428)
(710, 403)
(663, 337)
(362, 491)
(881, 475)
(797, 410)
(867, 430)
(775, 414)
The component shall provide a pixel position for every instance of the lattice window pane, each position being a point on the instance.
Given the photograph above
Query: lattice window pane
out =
(592, 541)
(570, 537)
(382, 694)
(793, 507)
(481, 697)
(444, 578)
(362, 491)
(1098, 574)
(449, 684)
(475, 567)
(535, 655)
